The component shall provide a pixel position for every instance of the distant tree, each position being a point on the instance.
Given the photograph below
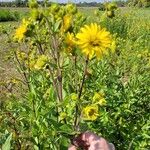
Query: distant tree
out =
(18, 3)
(139, 3)
(26, 3)
(121, 3)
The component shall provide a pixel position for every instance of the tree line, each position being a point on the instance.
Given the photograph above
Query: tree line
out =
(120, 3)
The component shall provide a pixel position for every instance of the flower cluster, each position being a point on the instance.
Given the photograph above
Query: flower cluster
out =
(22, 30)
(51, 34)
(91, 112)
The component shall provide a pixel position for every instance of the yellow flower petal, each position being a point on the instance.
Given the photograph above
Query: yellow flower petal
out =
(90, 112)
(21, 30)
(94, 40)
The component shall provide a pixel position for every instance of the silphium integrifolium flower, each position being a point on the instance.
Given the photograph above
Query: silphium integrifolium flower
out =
(69, 42)
(22, 30)
(99, 99)
(94, 40)
(67, 23)
(90, 112)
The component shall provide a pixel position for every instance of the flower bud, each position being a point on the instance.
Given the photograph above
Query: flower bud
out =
(71, 8)
(54, 8)
(110, 14)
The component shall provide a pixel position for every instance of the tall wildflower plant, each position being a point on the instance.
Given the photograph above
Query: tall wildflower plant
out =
(57, 50)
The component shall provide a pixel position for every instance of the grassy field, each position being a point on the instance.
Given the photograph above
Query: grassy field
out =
(123, 77)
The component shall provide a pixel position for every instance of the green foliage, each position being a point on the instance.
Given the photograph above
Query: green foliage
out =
(139, 3)
(38, 120)
(124, 77)
(126, 87)
(7, 144)
(7, 15)
(101, 7)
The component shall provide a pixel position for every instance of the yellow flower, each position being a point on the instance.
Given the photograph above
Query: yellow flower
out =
(99, 99)
(93, 39)
(90, 112)
(70, 41)
(41, 61)
(21, 31)
(67, 21)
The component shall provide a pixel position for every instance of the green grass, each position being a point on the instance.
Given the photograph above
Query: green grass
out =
(12, 14)
(7, 15)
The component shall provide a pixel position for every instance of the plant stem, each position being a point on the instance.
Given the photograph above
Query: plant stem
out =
(24, 74)
(59, 71)
(76, 122)
(83, 79)
(56, 55)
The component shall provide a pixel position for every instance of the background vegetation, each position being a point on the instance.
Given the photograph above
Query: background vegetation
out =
(120, 3)
(7, 15)
(123, 77)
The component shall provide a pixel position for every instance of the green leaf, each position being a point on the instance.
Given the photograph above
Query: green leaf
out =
(36, 140)
(64, 143)
(66, 129)
(56, 26)
(36, 148)
(7, 144)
